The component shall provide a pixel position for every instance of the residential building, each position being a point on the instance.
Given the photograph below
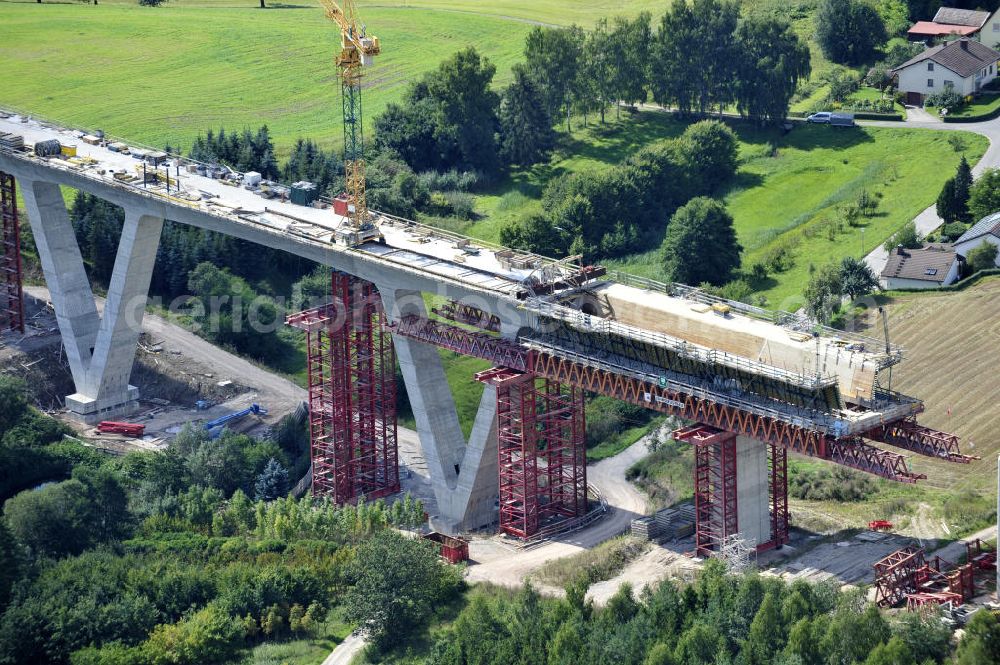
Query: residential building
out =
(925, 268)
(949, 22)
(964, 66)
(985, 230)
(990, 32)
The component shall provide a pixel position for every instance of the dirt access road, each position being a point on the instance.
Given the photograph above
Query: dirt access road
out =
(507, 565)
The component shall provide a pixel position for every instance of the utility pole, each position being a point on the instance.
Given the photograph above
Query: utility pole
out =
(862, 242)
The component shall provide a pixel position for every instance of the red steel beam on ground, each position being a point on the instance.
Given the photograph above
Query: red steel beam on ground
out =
(11, 278)
(910, 435)
(352, 394)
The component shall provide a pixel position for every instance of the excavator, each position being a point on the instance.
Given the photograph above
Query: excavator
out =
(357, 50)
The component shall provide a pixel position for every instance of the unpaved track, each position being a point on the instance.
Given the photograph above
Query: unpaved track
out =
(508, 566)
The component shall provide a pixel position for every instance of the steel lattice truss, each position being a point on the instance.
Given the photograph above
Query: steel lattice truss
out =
(352, 393)
(592, 376)
(715, 502)
(11, 292)
(910, 435)
(906, 575)
(541, 450)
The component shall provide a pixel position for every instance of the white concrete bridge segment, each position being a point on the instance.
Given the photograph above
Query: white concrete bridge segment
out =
(464, 476)
(100, 350)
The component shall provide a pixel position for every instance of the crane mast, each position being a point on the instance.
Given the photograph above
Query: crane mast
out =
(357, 50)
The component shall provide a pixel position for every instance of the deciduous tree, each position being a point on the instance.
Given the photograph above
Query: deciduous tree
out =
(984, 195)
(771, 62)
(701, 245)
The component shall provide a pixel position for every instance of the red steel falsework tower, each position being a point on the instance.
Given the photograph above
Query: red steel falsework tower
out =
(715, 488)
(11, 292)
(352, 393)
(541, 437)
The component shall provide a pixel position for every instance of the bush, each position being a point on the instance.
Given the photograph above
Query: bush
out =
(946, 99)
(830, 484)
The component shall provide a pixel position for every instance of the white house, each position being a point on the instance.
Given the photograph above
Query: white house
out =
(963, 65)
(985, 230)
(926, 268)
(989, 34)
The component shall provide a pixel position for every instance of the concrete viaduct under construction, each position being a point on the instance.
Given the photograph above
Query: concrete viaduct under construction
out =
(753, 384)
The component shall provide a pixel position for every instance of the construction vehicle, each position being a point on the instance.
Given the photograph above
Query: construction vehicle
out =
(255, 409)
(133, 430)
(357, 50)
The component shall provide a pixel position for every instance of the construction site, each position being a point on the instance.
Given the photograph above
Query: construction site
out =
(749, 385)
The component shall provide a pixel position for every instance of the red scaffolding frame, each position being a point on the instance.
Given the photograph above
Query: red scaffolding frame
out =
(778, 482)
(541, 450)
(11, 278)
(352, 393)
(715, 488)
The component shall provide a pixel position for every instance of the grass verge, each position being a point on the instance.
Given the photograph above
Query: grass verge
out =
(594, 565)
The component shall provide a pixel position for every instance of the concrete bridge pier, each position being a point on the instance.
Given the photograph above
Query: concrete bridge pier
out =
(100, 349)
(463, 473)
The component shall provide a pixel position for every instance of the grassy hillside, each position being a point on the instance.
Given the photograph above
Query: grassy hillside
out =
(787, 193)
(162, 75)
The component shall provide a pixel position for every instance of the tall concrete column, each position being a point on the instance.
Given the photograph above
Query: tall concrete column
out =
(100, 349)
(753, 505)
(463, 474)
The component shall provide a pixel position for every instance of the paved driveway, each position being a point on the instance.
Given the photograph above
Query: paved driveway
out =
(928, 220)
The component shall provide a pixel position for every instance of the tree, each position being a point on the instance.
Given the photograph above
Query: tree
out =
(947, 203)
(981, 642)
(467, 108)
(553, 56)
(700, 244)
(13, 404)
(771, 62)
(983, 257)
(984, 195)
(849, 31)
(926, 635)
(893, 652)
(963, 187)
(711, 151)
(857, 278)
(907, 237)
(630, 50)
(694, 78)
(396, 582)
(766, 638)
(535, 233)
(823, 293)
(698, 645)
(526, 134)
(272, 481)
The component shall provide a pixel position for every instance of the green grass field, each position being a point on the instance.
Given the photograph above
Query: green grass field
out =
(163, 75)
(788, 191)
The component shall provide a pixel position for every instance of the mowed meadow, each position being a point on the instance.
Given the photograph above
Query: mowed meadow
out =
(162, 75)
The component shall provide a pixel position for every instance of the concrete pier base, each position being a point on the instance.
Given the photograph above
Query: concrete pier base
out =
(100, 349)
(463, 473)
(753, 504)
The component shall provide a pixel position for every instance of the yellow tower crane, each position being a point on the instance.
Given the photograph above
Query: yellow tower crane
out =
(357, 50)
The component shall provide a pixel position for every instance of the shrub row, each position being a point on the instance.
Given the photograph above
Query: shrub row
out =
(981, 117)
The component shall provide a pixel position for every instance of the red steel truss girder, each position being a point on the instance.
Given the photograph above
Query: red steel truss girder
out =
(850, 452)
(541, 450)
(11, 290)
(912, 436)
(352, 393)
(499, 351)
(469, 315)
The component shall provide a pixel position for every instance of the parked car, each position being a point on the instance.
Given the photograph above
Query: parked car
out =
(833, 119)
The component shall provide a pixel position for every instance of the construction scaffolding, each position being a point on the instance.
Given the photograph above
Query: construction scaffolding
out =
(541, 448)
(715, 500)
(905, 575)
(352, 393)
(11, 290)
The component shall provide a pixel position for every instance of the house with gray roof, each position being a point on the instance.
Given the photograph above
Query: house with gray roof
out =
(963, 65)
(985, 230)
(925, 268)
